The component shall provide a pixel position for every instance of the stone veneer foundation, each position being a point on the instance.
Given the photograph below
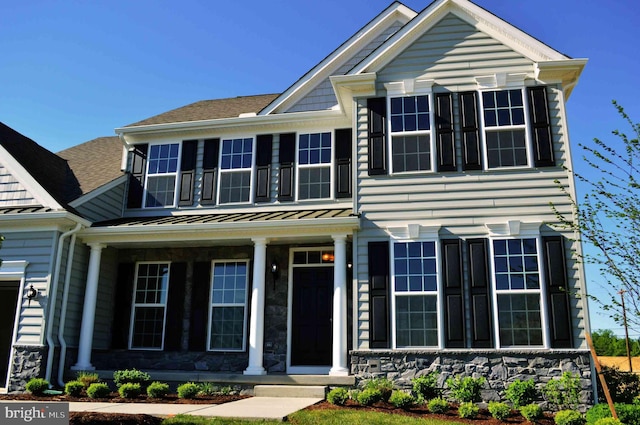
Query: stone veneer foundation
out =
(28, 362)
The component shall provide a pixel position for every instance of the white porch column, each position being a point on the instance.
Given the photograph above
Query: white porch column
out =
(256, 327)
(339, 355)
(89, 310)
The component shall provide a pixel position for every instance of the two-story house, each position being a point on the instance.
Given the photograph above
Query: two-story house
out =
(387, 214)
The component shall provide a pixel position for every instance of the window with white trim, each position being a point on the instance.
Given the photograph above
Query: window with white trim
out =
(517, 285)
(228, 312)
(410, 124)
(149, 306)
(505, 129)
(314, 166)
(415, 294)
(162, 175)
(236, 164)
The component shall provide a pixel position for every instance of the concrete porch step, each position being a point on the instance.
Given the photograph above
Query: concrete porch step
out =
(303, 391)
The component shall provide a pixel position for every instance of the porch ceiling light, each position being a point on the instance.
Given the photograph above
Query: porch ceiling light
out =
(275, 272)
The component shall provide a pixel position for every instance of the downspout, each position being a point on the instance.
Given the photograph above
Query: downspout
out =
(54, 293)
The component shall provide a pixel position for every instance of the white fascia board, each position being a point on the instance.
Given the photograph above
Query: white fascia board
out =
(567, 72)
(54, 220)
(348, 87)
(396, 11)
(98, 191)
(31, 184)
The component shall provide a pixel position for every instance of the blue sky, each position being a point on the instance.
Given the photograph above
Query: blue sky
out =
(74, 70)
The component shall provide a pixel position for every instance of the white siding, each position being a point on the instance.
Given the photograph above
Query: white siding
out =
(12, 192)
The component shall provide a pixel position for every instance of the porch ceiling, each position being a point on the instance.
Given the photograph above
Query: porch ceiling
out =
(223, 228)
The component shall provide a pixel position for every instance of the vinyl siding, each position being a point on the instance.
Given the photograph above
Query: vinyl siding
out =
(12, 192)
(77, 286)
(106, 206)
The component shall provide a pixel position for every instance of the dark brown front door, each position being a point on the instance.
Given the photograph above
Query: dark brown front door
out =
(8, 300)
(311, 316)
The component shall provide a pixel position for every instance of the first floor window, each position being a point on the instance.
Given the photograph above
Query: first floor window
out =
(162, 169)
(505, 131)
(228, 306)
(415, 287)
(150, 305)
(314, 166)
(235, 170)
(517, 285)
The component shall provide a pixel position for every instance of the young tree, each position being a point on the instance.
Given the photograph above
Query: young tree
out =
(608, 218)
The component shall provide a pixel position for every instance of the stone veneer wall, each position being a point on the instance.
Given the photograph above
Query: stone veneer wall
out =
(498, 367)
(28, 362)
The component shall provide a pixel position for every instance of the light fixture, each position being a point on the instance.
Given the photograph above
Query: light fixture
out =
(31, 293)
(327, 257)
(275, 272)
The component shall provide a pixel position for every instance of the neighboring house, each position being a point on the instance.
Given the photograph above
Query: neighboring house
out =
(387, 214)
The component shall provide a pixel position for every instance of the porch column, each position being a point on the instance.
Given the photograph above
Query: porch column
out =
(89, 310)
(256, 327)
(339, 355)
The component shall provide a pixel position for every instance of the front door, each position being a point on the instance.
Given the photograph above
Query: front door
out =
(311, 334)
(8, 299)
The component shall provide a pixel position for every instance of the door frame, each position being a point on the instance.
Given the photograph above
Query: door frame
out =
(302, 370)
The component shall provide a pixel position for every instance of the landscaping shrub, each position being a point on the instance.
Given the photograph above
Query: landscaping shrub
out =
(369, 396)
(384, 385)
(426, 386)
(129, 390)
(187, 390)
(498, 410)
(568, 417)
(157, 389)
(401, 399)
(87, 378)
(624, 387)
(133, 376)
(37, 386)
(208, 388)
(629, 414)
(225, 390)
(73, 388)
(608, 421)
(520, 393)
(438, 405)
(98, 390)
(563, 392)
(531, 412)
(466, 389)
(338, 396)
(468, 410)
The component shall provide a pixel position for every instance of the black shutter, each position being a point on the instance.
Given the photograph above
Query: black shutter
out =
(377, 121)
(122, 306)
(557, 292)
(379, 295)
(199, 306)
(343, 162)
(453, 294)
(136, 178)
(481, 329)
(287, 155)
(175, 307)
(209, 171)
(471, 151)
(263, 167)
(187, 172)
(541, 127)
(446, 145)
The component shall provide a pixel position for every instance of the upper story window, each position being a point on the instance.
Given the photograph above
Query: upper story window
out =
(505, 128)
(162, 172)
(236, 161)
(410, 123)
(314, 166)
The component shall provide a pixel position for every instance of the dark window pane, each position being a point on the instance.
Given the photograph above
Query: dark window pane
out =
(502, 99)
(488, 100)
(409, 105)
(423, 103)
(504, 118)
(396, 105)
(490, 119)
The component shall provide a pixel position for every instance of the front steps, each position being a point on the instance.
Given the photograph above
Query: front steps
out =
(295, 391)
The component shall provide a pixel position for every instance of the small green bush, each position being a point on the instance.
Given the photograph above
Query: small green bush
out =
(37, 386)
(187, 390)
(468, 410)
(466, 389)
(498, 410)
(426, 386)
(73, 388)
(401, 400)
(225, 390)
(568, 417)
(87, 378)
(608, 421)
(129, 390)
(384, 385)
(133, 376)
(369, 396)
(563, 392)
(520, 393)
(208, 388)
(157, 389)
(629, 414)
(98, 390)
(338, 396)
(531, 412)
(438, 405)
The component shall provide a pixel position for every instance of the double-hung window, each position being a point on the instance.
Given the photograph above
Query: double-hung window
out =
(162, 173)
(517, 286)
(228, 312)
(314, 166)
(411, 141)
(149, 306)
(505, 133)
(415, 294)
(236, 164)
